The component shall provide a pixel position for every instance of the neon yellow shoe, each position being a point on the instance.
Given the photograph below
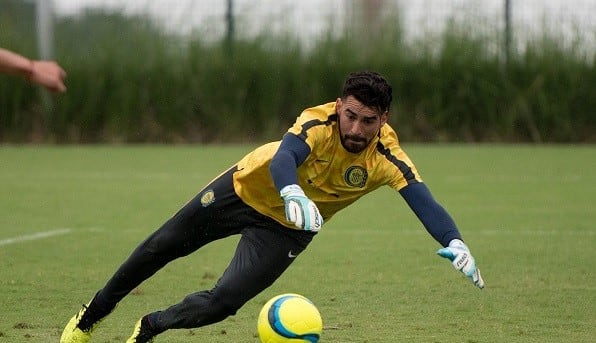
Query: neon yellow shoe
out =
(140, 334)
(72, 333)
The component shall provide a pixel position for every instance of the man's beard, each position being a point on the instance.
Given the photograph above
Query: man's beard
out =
(354, 144)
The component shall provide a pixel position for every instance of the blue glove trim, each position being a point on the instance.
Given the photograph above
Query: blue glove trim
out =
(446, 253)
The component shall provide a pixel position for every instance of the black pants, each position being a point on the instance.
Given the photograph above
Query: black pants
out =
(266, 248)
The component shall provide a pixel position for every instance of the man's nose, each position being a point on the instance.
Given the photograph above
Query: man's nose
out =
(356, 129)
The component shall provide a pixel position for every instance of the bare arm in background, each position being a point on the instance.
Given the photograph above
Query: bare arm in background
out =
(44, 73)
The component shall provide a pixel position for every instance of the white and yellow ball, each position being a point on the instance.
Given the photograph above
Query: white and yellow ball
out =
(289, 318)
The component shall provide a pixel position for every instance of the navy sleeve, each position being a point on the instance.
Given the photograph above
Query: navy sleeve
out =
(433, 216)
(291, 154)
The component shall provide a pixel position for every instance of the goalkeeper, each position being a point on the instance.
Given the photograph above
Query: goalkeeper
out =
(277, 198)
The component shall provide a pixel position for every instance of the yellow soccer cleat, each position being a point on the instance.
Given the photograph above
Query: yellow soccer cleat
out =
(72, 333)
(141, 333)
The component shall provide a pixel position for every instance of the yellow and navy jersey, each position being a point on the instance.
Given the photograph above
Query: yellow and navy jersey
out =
(330, 176)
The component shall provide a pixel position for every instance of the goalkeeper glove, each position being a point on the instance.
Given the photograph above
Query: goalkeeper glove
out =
(461, 258)
(300, 210)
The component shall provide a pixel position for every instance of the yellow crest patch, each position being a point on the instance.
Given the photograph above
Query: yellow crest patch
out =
(356, 176)
(207, 198)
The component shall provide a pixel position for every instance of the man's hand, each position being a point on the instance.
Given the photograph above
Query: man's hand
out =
(461, 258)
(300, 210)
(48, 74)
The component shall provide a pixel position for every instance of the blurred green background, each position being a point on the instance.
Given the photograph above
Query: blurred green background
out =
(131, 81)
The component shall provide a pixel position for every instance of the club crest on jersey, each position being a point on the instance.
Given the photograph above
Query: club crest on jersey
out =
(207, 198)
(356, 176)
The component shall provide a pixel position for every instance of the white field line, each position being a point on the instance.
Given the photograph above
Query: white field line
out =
(34, 236)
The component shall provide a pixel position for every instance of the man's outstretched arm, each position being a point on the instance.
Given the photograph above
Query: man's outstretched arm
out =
(300, 210)
(442, 228)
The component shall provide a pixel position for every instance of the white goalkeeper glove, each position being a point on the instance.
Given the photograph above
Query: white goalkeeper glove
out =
(461, 258)
(300, 210)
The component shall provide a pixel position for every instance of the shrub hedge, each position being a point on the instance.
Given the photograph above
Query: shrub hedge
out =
(128, 81)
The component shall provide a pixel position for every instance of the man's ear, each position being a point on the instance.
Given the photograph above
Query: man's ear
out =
(338, 105)
(384, 118)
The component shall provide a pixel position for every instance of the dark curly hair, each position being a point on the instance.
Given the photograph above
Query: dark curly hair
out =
(370, 88)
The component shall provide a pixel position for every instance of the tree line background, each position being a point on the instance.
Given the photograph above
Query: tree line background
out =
(129, 81)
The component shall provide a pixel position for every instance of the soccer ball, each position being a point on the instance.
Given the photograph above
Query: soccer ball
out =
(289, 318)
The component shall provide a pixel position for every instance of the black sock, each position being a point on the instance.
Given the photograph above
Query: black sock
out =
(96, 311)
(151, 321)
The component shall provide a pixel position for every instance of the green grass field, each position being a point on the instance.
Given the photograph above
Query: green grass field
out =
(70, 215)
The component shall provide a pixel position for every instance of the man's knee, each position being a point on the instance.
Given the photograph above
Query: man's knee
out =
(211, 307)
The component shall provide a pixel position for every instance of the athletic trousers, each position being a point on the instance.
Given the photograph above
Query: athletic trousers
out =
(265, 250)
